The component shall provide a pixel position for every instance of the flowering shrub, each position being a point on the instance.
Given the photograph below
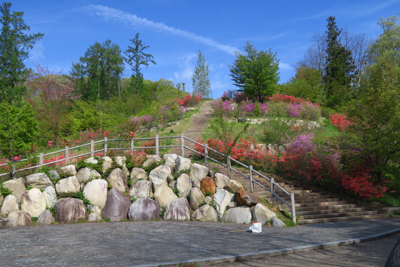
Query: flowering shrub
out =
(340, 121)
(190, 100)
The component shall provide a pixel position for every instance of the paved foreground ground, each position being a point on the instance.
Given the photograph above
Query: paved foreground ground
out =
(159, 242)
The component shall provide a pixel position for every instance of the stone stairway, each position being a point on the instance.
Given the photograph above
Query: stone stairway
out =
(313, 207)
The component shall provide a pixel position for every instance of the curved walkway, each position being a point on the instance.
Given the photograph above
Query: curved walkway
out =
(169, 243)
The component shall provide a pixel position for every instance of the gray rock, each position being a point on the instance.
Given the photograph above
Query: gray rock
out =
(151, 160)
(38, 180)
(170, 178)
(262, 214)
(276, 222)
(172, 184)
(170, 161)
(68, 185)
(208, 200)
(183, 185)
(94, 217)
(1, 199)
(198, 172)
(196, 183)
(164, 195)
(237, 215)
(232, 204)
(141, 189)
(117, 206)
(144, 209)
(86, 174)
(46, 218)
(69, 170)
(221, 199)
(54, 175)
(70, 210)
(159, 175)
(96, 192)
(138, 173)
(117, 179)
(205, 213)
(10, 204)
(17, 187)
(196, 198)
(221, 180)
(182, 164)
(91, 160)
(178, 210)
(33, 202)
(19, 219)
(50, 196)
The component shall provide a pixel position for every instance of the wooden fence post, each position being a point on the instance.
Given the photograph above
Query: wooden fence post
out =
(92, 148)
(182, 146)
(132, 147)
(206, 154)
(66, 155)
(251, 178)
(157, 146)
(228, 165)
(293, 207)
(40, 160)
(272, 190)
(105, 146)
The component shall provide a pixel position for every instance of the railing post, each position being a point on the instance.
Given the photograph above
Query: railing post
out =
(228, 165)
(206, 154)
(157, 147)
(40, 160)
(251, 178)
(105, 146)
(293, 207)
(12, 173)
(66, 155)
(92, 148)
(132, 147)
(182, 146)
(272, 190)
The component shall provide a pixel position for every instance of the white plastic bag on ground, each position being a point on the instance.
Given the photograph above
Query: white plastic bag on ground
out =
(256, 227)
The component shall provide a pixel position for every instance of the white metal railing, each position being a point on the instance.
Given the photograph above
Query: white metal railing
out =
(106, 148)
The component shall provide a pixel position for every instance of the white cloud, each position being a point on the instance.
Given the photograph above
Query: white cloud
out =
(284, 66)
(36, 52)
(133, 20)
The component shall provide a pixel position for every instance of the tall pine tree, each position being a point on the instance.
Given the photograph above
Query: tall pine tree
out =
(200, 81)
(339, 73)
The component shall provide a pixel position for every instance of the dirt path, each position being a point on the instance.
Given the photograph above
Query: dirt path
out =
(196, 127)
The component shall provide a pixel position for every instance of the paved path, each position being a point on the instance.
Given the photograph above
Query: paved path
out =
(160, 242)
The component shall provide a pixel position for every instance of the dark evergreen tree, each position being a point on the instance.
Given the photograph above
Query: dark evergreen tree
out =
(14, 47)
(339, 72)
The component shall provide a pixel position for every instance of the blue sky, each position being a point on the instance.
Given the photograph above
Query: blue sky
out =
(175, 30)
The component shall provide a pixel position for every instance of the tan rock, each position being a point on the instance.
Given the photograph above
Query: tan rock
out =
(10, 204)
(33, 202)
(117, 179)
(19, 219)
(164, 195)
(233, 186)
(16, 186)
(68, 185)
(96, 192)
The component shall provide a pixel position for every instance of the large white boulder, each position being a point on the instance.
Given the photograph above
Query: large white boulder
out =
(183, 185)
(94, 217)
(205, 213)
(221, 199)
(152, 159)
(164, 195)
(86, 174)
(10, 204)
(91, 160)
(170, 161)
(198, 172)
(16, 186)
(159, 175)
(38, 180)
(182, 164)
(117, 179)
(138, 174)
(262, 214)
(33, 202)
(96, 192)
(19, 219)
(68, 185)
(178, 209)
(196, 197)
(237, 215)
(120, 160)
(69, 170)
(141, 189)
(107, 163)
(221, 180)
(50, 196)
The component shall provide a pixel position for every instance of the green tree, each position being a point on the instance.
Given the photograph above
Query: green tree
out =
(339, 70)
(256, 73)
(388, 43)
(17, 129)
(136, 57)
(14, 47)
(200, 81)
(374, 134)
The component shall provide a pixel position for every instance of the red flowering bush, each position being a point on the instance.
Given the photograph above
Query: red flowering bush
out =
(190, 100)
(340, 121)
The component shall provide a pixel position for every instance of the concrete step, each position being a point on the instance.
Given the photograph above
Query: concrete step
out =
(310, 208)
(328, 211)
(338, 219)
(318, 204)
(339, 214)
